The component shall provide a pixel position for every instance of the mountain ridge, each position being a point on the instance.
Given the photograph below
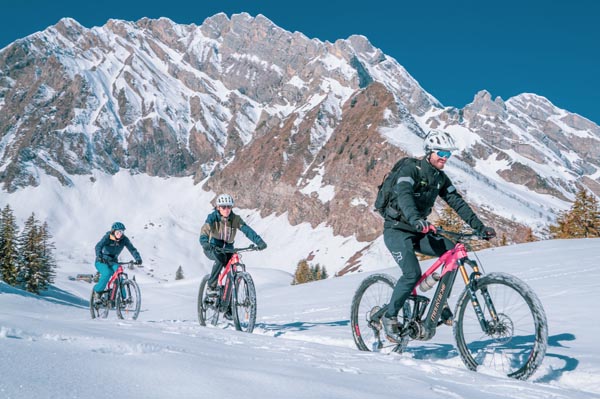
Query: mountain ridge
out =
(263, 113)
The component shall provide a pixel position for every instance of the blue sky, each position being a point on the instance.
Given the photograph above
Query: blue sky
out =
(452, 48)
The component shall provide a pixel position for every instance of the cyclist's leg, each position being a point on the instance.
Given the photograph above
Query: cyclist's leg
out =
(400, 244)
(105, 273)
(220, 261)
(433, 245)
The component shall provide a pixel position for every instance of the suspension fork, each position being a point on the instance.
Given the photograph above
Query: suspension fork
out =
(471, 282)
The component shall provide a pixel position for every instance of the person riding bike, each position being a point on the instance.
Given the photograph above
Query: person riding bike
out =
(219, 231)
(418, 183)
(107, 254)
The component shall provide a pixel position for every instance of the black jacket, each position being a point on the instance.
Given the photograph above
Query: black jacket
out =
(109, 248)
(417, 187)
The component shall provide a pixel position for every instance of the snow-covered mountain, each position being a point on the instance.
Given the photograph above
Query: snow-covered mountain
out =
(287, 124)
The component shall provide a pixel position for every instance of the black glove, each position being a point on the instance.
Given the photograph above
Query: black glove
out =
(423, 226)
(138, 261)
(261, 245)
(100, 259)
(487, 233)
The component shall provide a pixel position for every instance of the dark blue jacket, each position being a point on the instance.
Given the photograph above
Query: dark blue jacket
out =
(109, 248)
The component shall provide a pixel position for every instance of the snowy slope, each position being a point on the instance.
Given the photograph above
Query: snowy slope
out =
(302, 346)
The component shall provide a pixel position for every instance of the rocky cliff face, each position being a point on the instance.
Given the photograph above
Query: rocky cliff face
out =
(283, 122)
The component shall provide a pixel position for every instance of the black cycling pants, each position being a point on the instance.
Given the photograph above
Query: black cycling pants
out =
(402, 245)
(221, 260)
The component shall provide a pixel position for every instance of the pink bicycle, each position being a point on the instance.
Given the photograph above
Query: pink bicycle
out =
(236, 294)
(499, 322)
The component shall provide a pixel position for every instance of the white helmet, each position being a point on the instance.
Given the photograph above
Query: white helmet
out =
(224, 200)
(438, 140)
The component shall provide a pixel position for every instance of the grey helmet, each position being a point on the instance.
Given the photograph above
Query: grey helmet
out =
(438, 140)
(224, 200)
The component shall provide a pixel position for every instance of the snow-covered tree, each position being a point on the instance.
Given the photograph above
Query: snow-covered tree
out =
(36, 264)
(8, 246)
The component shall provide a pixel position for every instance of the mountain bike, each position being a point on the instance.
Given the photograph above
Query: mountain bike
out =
(499, 322)
(121, 293)
(235, 293)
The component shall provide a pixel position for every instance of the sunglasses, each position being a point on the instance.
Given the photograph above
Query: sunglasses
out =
(443, 154)
(225, 206)
(119, 232)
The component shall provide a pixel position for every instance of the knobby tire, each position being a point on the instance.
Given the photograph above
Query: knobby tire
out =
(244, 303)
(373, 293)
(515, 345)
(128, 308)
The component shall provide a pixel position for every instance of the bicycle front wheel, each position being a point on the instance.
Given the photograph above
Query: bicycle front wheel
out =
(514, 337)
(244, 303)
(99, 309)
(129, 301)
(207, 306)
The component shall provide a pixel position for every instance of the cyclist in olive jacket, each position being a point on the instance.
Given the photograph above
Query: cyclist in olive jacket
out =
(419, 182)
(219, 231)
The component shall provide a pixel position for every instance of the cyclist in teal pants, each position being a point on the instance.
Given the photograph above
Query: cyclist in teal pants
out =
(107, 254)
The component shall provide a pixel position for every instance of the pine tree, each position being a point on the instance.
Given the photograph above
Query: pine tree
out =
(303, 273)
(8, 246)
(529, 235)
(30, 264)
(449, 220)
(581, 221)
(179, 273)
(324, 274)
(47, 248)
(316, 272)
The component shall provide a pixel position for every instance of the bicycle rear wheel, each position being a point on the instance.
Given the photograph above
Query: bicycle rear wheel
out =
(99, 309)
(370, 298)
(515, 342)
(244, 303)
(128, 307)
(207, 306)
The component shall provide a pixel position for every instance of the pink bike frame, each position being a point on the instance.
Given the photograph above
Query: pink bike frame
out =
(113, 280)
(449, 260)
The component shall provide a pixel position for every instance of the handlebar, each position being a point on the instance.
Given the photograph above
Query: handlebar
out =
(131, 263)
(234, 250)
(461, 235)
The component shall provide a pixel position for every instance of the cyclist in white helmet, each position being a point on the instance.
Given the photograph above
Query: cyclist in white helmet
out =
(417, 184)
(219, 231)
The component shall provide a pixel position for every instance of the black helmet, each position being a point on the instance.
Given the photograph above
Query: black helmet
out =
(117, 226)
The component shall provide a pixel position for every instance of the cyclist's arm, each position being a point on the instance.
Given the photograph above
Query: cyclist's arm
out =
(250, 233)
(134, 252)
(205, 230)
(101, 245)
(403, 194)
(449, 194)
